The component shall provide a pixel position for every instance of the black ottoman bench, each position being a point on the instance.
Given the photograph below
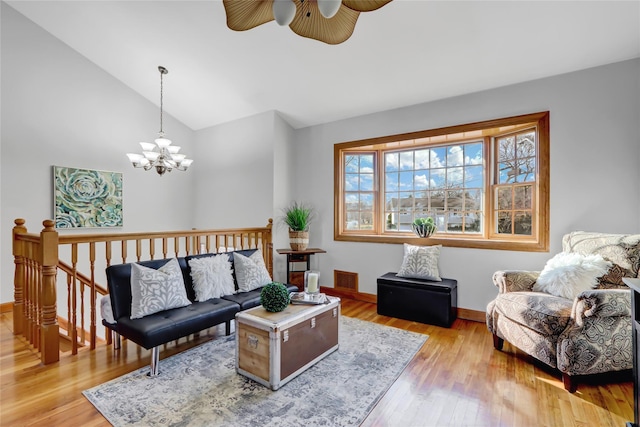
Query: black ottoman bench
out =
(418, 300)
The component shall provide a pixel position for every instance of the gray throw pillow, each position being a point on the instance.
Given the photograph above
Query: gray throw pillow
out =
(153, 291)
(251, 273)
(421, 262)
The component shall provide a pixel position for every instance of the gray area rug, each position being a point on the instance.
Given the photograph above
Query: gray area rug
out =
(200, 387)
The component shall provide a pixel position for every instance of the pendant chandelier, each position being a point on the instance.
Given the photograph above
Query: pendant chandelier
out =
(166, 157)
(330, 21)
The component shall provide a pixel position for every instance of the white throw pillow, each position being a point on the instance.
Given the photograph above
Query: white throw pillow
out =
(106, 310)
(568, 274)
(421, 262)
(212, 277)
(153, 291)
(251, 273)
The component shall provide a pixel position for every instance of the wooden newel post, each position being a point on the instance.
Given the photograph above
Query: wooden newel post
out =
(18, 277)
(49, 330)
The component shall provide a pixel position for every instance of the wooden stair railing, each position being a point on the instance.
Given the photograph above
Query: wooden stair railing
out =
(84, 282)
(39, 256)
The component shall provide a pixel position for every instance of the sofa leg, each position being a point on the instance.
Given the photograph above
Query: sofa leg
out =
(227, 327)
(569, 382)
(497, 342)
(155, 361)
(116, 340)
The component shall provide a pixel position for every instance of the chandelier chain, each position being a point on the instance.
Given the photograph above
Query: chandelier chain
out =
(161, 99)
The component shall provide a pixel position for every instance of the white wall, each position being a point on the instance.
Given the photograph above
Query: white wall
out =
(284, 184)
(595, 149)
(60, 109)
(234, 188)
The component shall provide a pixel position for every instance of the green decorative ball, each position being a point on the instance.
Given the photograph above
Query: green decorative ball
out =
(274, 297)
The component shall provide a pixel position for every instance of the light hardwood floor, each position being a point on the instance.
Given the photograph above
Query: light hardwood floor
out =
(456, 379)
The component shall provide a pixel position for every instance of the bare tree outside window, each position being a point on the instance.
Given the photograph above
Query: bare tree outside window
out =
(516, 165)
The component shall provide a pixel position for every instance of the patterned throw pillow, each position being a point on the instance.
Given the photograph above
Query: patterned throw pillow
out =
(153, 291)
(212, 277)
(421, 262)
(251, 273)
(567, 274)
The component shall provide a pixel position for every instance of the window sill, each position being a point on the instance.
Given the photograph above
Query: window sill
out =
(473, 243)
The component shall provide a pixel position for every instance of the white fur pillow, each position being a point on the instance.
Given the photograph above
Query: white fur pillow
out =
(568, 274)
(212, 277)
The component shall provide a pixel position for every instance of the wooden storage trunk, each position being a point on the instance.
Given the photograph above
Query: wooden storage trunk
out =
(273, 348)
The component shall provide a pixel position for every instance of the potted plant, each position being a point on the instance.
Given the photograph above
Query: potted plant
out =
(423, 227)
(297, 217)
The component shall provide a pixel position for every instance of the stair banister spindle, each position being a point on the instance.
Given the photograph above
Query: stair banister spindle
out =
(74, 299)
(94, 296)
(49, 331)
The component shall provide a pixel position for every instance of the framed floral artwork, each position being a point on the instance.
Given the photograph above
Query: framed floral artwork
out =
(86, 198)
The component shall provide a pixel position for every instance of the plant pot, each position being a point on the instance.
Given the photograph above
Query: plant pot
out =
(423, 230)
(299, 240)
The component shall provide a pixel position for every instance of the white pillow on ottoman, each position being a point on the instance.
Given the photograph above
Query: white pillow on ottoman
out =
(421, 262)
(568, 274)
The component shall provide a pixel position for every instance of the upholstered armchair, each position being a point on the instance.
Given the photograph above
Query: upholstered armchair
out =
(584, 335)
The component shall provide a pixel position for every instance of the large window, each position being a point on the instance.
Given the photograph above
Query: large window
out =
(485, 185)
(359, 194)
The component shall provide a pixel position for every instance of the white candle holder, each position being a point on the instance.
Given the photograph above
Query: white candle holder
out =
(312, 282)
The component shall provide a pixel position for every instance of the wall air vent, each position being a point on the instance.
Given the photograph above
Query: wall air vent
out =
(345, 281)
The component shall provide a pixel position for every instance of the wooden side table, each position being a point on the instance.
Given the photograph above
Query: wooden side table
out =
(295, 276)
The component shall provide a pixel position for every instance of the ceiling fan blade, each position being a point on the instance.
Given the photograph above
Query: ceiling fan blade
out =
(244, 15)
(364, 5)
(309, 23)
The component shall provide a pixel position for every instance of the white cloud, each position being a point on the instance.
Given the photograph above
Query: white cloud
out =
(436, 161)
(351, 198)
(406, 160)
(454, 176)
(420, 180)
(391, 160)
(422, 159)
(477, 160)
(351, 183)
(455, 156)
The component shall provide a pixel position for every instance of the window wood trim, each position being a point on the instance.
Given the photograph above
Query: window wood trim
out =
(538, 242)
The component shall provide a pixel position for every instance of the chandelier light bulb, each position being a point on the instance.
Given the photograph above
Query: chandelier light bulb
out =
(329, 8)
(284, 11)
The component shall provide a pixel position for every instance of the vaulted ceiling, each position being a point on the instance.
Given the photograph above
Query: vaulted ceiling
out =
(408, 52)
